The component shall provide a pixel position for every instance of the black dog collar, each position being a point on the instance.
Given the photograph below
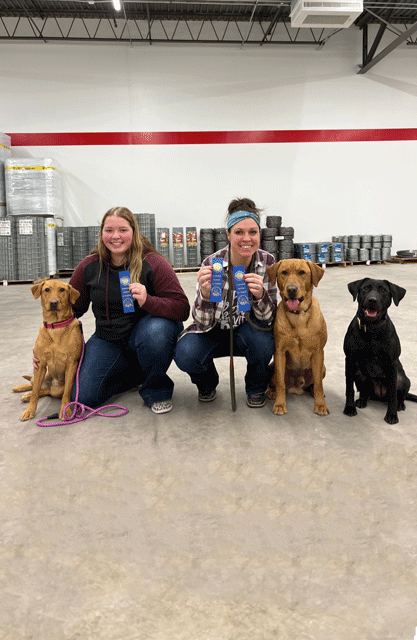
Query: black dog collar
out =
(365, 326)
(297, 313)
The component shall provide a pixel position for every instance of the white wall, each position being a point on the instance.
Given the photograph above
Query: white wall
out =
(322, 189)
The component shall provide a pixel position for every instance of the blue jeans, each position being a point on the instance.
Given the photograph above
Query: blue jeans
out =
(195, 352)
(108, 369)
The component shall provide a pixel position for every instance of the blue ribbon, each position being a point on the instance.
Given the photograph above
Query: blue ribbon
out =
(241, 289)
(127, 298)
(216, 280)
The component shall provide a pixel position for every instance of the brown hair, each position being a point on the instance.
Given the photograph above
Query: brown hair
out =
(140, 244)
(243, 204)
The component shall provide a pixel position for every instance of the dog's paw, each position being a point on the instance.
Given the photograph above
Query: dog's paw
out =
(270, 393)
(321, 409)
(401, 406)
(68, 414)
(279, 409)
(361, 403)
(27, 415)
(26, 397)
(350, 410)
(391, 418)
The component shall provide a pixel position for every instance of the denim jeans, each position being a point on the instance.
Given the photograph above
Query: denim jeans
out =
(195, 352)
(108, 368)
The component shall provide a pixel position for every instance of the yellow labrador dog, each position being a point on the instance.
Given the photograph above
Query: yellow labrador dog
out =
(58, 347)
(300, 335)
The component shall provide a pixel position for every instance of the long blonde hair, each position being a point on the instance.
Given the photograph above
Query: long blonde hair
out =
(135, 252)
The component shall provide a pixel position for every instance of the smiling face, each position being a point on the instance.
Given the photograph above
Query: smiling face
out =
(374, 298)
(295, 279)
(117, 235)
(244, 238)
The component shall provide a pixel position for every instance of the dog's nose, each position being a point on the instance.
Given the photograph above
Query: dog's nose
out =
(53, 304)
(371, 301)
(292, 290)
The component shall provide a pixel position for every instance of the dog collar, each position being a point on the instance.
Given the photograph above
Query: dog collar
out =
(366, 327)
(297, 313)
(59, 325)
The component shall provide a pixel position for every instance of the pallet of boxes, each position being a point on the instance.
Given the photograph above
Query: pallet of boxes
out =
(31, 206)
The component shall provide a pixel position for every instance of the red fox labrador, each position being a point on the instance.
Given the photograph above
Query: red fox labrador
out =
(300, 335)
(58, 347)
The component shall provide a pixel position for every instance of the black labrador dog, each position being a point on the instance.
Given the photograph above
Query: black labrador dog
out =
(372, 349)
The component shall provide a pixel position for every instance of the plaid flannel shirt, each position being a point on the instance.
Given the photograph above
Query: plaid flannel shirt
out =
(206, 314)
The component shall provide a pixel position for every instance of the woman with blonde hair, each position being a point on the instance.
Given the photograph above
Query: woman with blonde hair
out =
(138, 319)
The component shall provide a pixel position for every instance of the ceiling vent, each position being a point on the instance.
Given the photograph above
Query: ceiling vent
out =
(339, 15)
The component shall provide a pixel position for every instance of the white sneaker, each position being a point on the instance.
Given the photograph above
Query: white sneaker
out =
(161, 407)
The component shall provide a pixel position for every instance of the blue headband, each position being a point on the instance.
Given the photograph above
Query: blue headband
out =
(238, 216)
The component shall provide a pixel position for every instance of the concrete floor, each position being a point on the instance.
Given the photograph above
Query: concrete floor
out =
(203, 524)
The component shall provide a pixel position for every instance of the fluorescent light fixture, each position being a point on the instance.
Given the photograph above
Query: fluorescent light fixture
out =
(117, 5)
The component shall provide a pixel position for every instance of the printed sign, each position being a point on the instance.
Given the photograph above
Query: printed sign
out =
(5, 229)
(163, 239)
(178, 240)
(25, 227)
(191, 238)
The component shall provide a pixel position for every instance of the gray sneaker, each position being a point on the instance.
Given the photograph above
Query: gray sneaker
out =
(255, 400)
(161, 407)
(207, 397)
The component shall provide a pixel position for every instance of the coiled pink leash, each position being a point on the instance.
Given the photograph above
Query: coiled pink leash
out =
(79, 411)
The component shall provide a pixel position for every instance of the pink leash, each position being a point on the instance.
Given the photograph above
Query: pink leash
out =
(79, 410)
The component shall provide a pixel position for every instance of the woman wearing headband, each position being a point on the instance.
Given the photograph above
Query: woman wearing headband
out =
(208, 337)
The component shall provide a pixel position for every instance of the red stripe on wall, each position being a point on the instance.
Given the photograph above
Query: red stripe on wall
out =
(209, 137)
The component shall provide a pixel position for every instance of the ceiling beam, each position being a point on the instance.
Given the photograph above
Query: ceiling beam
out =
(389, 48)
(377, 41)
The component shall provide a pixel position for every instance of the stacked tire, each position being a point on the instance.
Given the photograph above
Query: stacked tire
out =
(269, 242)
(286, 245)
(386, 248)
(206, 243)
(220, 238)
(269, 235)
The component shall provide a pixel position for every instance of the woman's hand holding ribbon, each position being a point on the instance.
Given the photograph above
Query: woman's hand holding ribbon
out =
(204, 280)
(255, 284)
(139, 292)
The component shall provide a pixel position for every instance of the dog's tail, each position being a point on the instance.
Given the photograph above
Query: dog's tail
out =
(23, 387)
(411, 396)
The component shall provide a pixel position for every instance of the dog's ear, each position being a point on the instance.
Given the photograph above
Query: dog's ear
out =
(73, 294)
(355, 286)
(37, 290)
(272, 272)
(397, 292)
(316, 272)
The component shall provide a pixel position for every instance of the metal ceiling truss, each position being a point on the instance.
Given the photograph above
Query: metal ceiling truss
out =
(214, 22)
(263, 25)
(384, 18)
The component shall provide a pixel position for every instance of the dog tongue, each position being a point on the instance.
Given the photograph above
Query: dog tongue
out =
(371, 314)
(292, 304)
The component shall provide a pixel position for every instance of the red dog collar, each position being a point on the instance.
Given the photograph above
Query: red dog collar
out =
(59, 325)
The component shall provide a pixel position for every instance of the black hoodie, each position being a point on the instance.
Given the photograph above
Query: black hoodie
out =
(165, 296)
